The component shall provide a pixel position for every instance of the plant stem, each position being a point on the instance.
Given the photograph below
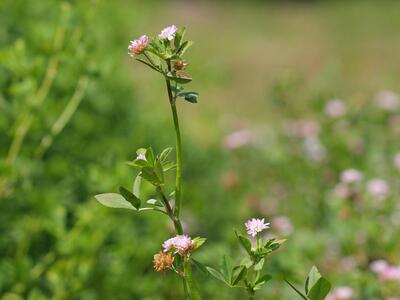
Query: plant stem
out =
(170, 213)
(178, 178)
(252, 294)
(193, 293)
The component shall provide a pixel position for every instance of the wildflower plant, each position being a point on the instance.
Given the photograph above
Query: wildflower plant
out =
(164, 54)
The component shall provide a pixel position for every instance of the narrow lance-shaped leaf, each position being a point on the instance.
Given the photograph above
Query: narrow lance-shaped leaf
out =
(246, 244)
(148, 64)
(189, 96)
(217, 275)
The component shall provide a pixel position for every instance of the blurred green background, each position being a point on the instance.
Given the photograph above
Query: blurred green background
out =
(262, 141)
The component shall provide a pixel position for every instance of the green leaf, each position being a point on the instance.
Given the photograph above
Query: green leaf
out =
(227, 267)
(179, 77)
(179, 36)
(137, 184)
(182, 49)
(217, 275)
(114, 200)
(245, 242)
(202, 268)
(296, 290)
(164, 154)
(149, 175)
(150, 156)
(131, 198)
(158, 169)
(148, 64)
(247, 262)
(169, 165)
(258, 266)
(312, 278)
(320, 289)
(154, 202)
(198, 241)
(189, 96)
(263, 279)
(238, 273)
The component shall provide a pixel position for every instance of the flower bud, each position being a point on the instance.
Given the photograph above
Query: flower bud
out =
(180, 64)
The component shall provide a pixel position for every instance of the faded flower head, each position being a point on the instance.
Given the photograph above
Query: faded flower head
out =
(335, 108)
(162, 261)
(255, 226)
(179, 244)
(168, 33)
(350, 176)
(137, 46)
(378, 188)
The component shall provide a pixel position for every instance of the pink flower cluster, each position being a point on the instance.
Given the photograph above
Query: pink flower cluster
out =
(137, 46)
(239, 139)
(179, 244)
(385, 271)
(255, 226)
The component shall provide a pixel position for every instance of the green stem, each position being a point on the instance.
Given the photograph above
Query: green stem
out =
(170, 213)
(178, 178)
(193, 293)
(251, 293)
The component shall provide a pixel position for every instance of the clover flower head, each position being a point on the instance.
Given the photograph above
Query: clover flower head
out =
(141, 156)
(179, 244)
(255, 226)
(378, 188)
(162, 261)
(350, 176)
(335, 108)
(137, 46)
(168, 33)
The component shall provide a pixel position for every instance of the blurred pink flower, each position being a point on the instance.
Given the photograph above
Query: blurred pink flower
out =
(335, 108)
(350, 176)
(282, 224)
(302, 128)
(396, 160)
(385, 271)
(179, 244)
(347, 264)
(138, 46)
(168, 33)
(378, 266)
(378, 188)
(340, 293)
(255, 226)
(392, 298)
(388, 100)
(391, 273)
(342, 190)
(238, 139)
(314, 149)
